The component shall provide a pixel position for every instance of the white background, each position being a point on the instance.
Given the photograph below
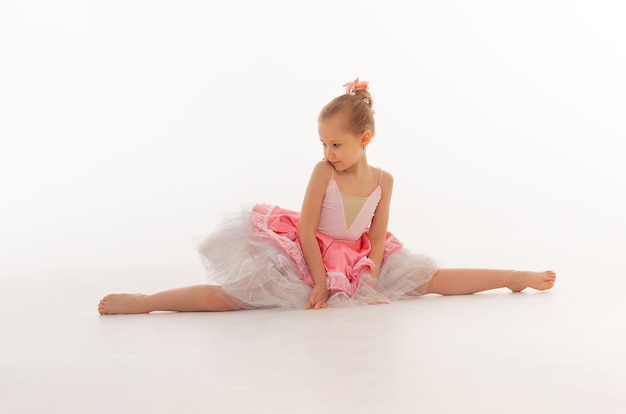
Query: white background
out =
(127, 128)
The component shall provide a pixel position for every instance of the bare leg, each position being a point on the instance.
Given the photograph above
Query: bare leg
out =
(467, 281)
(200, 298)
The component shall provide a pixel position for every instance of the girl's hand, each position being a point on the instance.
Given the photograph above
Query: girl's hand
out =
(369, 293)
(371, 281)
(318, 298)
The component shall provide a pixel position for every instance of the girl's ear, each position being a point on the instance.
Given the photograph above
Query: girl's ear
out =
(366, 137)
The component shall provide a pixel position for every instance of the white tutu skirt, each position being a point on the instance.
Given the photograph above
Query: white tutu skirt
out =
(255, 273)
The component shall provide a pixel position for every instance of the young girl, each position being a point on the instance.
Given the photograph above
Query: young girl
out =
(336, 251)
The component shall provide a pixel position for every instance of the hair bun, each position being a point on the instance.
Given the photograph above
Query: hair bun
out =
(360, 89)
(363, 95)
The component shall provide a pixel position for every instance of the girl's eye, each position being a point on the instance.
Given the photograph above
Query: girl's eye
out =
(336, 145)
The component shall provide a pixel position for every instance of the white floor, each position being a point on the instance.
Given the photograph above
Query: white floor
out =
(551, 352)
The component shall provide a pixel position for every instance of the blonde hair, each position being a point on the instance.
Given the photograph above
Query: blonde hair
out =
(357, 109)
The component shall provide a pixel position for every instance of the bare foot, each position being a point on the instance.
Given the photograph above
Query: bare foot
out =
(536, 280)
(122, 303)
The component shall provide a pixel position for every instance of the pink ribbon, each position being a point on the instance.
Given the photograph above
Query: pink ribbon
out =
(352, 87)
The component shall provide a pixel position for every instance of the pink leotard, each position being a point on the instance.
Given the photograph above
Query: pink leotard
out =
(338, 208)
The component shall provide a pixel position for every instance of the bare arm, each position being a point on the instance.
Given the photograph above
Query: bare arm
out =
(378, 228)
(309, 219)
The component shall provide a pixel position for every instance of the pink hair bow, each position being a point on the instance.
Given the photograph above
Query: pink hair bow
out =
(352, 87)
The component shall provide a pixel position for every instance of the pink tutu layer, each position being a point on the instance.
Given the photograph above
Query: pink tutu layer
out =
(257, 260)
(344, 260)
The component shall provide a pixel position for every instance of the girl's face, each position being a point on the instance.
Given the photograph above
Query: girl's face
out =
(342, 148)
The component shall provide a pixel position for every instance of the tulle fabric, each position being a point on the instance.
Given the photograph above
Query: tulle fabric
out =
(256, 272)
